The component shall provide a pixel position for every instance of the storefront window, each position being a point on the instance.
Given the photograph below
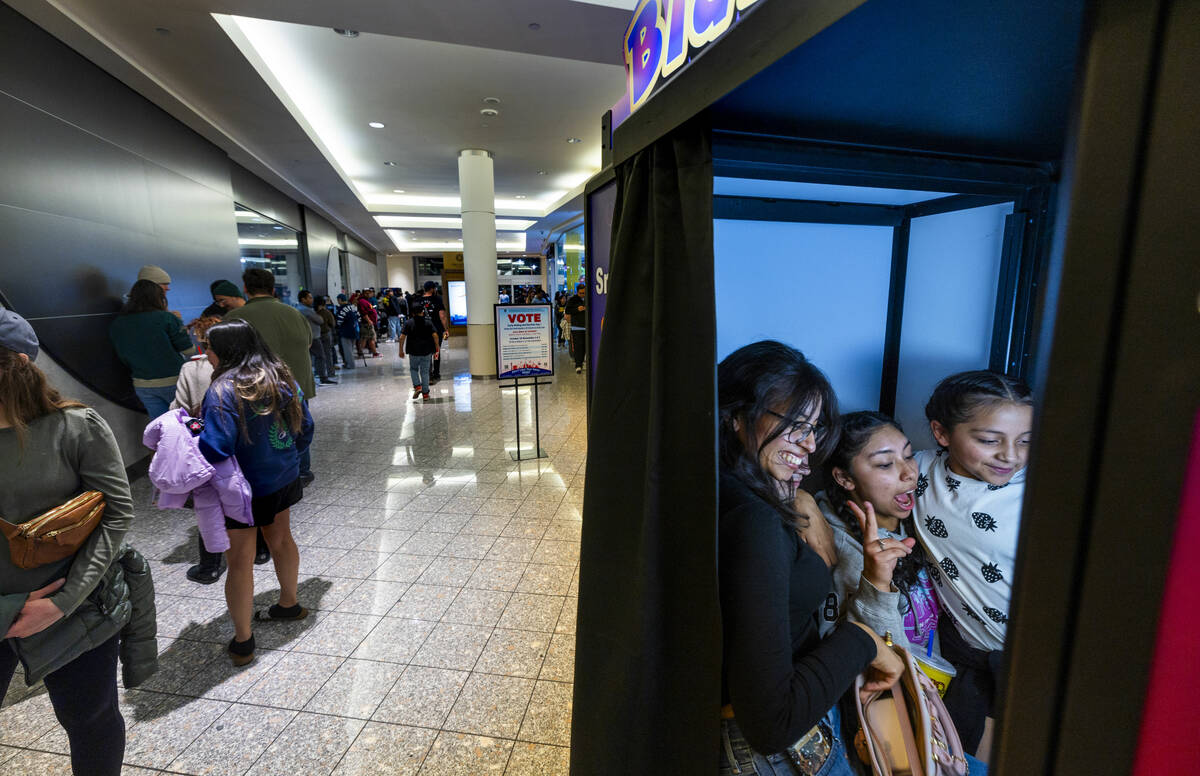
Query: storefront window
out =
(267, 244)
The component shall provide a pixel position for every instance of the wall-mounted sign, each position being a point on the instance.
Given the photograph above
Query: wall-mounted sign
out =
(663, 33)
(524, 340)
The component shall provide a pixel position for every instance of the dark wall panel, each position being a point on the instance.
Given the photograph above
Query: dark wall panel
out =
(319, 237)
(95, 182)
(262, 197)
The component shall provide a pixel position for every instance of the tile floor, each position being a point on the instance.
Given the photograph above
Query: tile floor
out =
(443, 580)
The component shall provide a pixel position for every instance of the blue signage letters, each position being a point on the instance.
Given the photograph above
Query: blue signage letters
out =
(659, 37)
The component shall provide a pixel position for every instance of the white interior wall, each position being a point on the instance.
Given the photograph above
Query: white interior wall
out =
(822, 288)
(949, 303)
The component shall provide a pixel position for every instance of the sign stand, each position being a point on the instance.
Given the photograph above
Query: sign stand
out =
(524, 348)
(537, 429)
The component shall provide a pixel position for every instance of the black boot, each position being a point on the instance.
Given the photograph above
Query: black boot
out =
(262, 552)
(210, 568)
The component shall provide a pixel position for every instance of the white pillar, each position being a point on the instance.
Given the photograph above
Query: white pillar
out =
(477, 190)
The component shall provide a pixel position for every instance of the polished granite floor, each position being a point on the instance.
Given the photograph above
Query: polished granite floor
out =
(443, 579)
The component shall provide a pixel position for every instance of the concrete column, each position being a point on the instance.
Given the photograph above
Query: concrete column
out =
(477, 190)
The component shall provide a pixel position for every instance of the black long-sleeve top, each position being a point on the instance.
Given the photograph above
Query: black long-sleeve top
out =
(778, 674)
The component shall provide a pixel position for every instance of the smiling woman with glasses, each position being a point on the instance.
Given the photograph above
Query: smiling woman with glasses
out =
(780, 680)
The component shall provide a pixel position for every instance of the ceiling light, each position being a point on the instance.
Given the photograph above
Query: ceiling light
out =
(398, 191)
(535, 26)
(375, 124)
(390, 164)
(449, 222)
(489, 112)
(276, 227)
(574, 140)
(541, 172)
(346, 33)
(162, 30)
(519, 196)
(492, 100)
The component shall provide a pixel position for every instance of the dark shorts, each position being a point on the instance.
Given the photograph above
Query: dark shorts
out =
(264, 508)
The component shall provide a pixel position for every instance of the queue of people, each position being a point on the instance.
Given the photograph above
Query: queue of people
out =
(917, 547)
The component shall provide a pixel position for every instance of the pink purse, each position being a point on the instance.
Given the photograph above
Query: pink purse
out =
(906, 730)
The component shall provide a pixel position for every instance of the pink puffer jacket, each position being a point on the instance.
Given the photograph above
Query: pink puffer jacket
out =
(178, 468)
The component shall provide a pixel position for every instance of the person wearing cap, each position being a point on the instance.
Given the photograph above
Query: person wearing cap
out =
(158, 275)
(575, 312)
(51, 450)
(152, 343)
(347, 328)
(226, 294)
(286, 333)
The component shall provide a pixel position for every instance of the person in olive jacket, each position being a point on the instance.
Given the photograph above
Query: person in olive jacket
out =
(66, 621)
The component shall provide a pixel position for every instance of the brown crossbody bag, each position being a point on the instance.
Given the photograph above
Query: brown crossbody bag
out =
(55, 534)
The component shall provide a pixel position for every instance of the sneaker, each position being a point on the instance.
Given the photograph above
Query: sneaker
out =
(329, 382)
(262, 557)
(578, 370)
(241, 652)
(416, 392)
(426, 397)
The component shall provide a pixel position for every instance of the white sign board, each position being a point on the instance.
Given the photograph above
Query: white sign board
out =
(524, 340)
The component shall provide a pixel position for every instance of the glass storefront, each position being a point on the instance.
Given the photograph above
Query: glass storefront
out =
(267, 244)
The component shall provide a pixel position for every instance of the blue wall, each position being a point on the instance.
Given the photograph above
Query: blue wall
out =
(822, 288)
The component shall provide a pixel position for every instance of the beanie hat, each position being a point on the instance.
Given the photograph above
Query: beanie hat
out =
(224, 288)
(153, 274)
(17, 335)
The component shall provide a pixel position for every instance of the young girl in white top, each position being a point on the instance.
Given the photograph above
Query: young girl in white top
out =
(968, 516)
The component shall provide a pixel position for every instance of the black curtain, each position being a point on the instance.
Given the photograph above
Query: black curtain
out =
(648, 654)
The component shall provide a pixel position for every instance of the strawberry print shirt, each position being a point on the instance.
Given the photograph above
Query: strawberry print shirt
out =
(969, 530)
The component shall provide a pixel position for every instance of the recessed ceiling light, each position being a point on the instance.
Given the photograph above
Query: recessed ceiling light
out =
(276, 227)
(375, 124)
(346, 33)
(491, 100)
(574, 140)
(541, 172)
(535, 26)
(390, 164)
(162, 30)
(489, 112)
(519, 196)
(398, 191)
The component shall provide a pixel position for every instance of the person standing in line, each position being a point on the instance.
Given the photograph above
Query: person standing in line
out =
(368, 320)
(396, 309)
(435, 313)
(158, 275)
(286, 333)
(226, 295)
(152, 343)
(575, 312)
(328, 327)
(419, 341)
(316, 349)
(51, 449)
(347, 329)
(253, 411)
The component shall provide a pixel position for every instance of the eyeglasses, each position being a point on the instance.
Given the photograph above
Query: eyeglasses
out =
(798, 430)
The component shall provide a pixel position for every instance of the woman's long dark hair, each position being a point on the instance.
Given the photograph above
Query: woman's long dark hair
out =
(752, 382)
(258, 379)
(145, 296)
(857, 430)
(26, 394)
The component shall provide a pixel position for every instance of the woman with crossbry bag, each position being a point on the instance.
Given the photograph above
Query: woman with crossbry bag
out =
(52, 453)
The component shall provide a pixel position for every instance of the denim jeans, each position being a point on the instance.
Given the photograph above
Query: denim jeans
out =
(737, 758)
(418, 368)
(747, 762)
(84, 696)
(156, 400)
(317, 351)
(348, 348)
(394, 326)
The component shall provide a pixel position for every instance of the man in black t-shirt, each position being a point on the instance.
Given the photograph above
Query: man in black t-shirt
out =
(576, 317)
(435, 313)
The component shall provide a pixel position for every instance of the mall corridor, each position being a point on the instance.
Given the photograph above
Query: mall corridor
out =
(442, 577)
